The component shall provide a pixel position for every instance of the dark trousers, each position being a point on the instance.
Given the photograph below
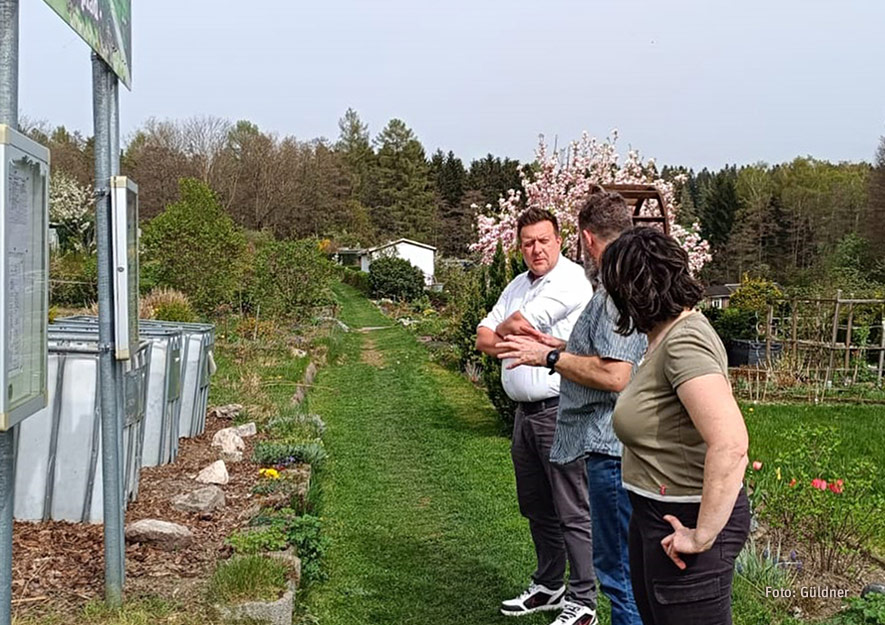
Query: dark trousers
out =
(554, 500)
(699, 595)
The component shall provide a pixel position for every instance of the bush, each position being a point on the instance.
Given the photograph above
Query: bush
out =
(868, 610)
(292, 278)
(305, 534)
(248, 578)
(737, 324)
(195, 247)
(276, 452)
(167, 305)
(73, 279)
(395, 278)
(755, 294)
(807, 496)
(356, 278)
(257, 540)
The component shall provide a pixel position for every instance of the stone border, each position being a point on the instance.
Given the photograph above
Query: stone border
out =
(277, 612)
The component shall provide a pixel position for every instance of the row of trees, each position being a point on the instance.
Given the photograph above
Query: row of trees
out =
(356, 191)
(792, 222)
(795, 222)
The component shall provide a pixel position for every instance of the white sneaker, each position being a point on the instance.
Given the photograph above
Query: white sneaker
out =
(537, 598)
(576, 614)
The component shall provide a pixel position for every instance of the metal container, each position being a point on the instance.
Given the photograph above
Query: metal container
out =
(58, 457)
(198, 365)
(163, 410)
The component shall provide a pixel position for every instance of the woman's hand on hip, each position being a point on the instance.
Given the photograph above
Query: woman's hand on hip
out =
(683, 540)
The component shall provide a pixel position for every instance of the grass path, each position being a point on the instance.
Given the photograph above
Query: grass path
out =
(419, 494)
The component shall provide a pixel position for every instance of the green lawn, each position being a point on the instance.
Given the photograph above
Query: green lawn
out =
(419, 496)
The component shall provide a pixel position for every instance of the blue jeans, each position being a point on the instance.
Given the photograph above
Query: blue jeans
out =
(610, 511)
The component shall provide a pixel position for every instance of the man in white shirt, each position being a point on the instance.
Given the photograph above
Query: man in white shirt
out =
(548, 298)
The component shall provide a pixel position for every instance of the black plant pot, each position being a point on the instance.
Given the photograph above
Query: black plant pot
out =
(742, 352)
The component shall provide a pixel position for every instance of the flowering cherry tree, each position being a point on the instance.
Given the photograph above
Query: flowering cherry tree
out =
(560, 181)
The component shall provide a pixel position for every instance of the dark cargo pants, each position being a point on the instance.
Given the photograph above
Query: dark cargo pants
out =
(554, 499)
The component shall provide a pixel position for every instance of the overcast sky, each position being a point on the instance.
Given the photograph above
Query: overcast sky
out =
(687, 82)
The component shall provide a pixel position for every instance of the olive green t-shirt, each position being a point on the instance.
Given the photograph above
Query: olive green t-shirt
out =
(663, 450)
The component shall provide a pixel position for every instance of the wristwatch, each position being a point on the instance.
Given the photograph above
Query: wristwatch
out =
(552, 359)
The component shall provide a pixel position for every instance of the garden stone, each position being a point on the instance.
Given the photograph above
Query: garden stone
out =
(233, 456)
(161, 534)
(874, 588)
(310, 374)
(215, 473)
(202, 500)
(247, 430)
(228, 412)
(229, 440)
(277, 612)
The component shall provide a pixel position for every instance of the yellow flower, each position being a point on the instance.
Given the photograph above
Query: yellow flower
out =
(751, 409)
(778, 473)
(271, 473)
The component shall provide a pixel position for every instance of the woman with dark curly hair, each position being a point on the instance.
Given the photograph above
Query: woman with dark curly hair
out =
(685, 442)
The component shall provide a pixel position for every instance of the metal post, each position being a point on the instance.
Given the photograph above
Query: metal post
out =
(9, 116)
(111, 424)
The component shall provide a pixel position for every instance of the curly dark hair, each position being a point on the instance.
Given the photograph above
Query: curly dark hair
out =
(535, 216)
(646, 274)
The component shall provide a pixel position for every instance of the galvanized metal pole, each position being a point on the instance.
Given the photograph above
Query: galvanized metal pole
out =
(111, 424)
(119, 367)
(9, 116)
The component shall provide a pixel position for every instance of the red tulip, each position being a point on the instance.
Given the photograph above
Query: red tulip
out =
(757, 465)
(792, 482)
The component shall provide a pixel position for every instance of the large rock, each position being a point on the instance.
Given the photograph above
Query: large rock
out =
(161, 534)
(215, 473)
(229, 440)
(201, 501)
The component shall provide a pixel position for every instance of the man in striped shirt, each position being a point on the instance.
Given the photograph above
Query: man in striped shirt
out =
(595, 365)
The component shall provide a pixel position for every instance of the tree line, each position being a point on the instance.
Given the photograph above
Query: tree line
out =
(799, 223)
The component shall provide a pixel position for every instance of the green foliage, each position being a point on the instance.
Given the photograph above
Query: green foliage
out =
(276, 452)
(766, 568)
(812, 494)
(356, 278)
(247, 578)
(73, 279)
(403, 205)
(305, 533)
(256, 540)
(292, 278)
(734, 323)
(869, 610)
(195, 247)
(296, 426)
(167, 305)
(755, 294)
(395, 278)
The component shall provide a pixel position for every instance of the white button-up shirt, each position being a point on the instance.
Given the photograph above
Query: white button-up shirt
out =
(552, 304)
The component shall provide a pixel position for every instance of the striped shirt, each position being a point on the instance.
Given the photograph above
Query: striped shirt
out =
(584, 421)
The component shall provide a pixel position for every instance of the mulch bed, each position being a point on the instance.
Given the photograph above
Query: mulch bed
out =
(61, 563)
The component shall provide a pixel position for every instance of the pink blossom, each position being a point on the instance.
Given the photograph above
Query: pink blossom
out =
(757, 465)
(563, 179)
